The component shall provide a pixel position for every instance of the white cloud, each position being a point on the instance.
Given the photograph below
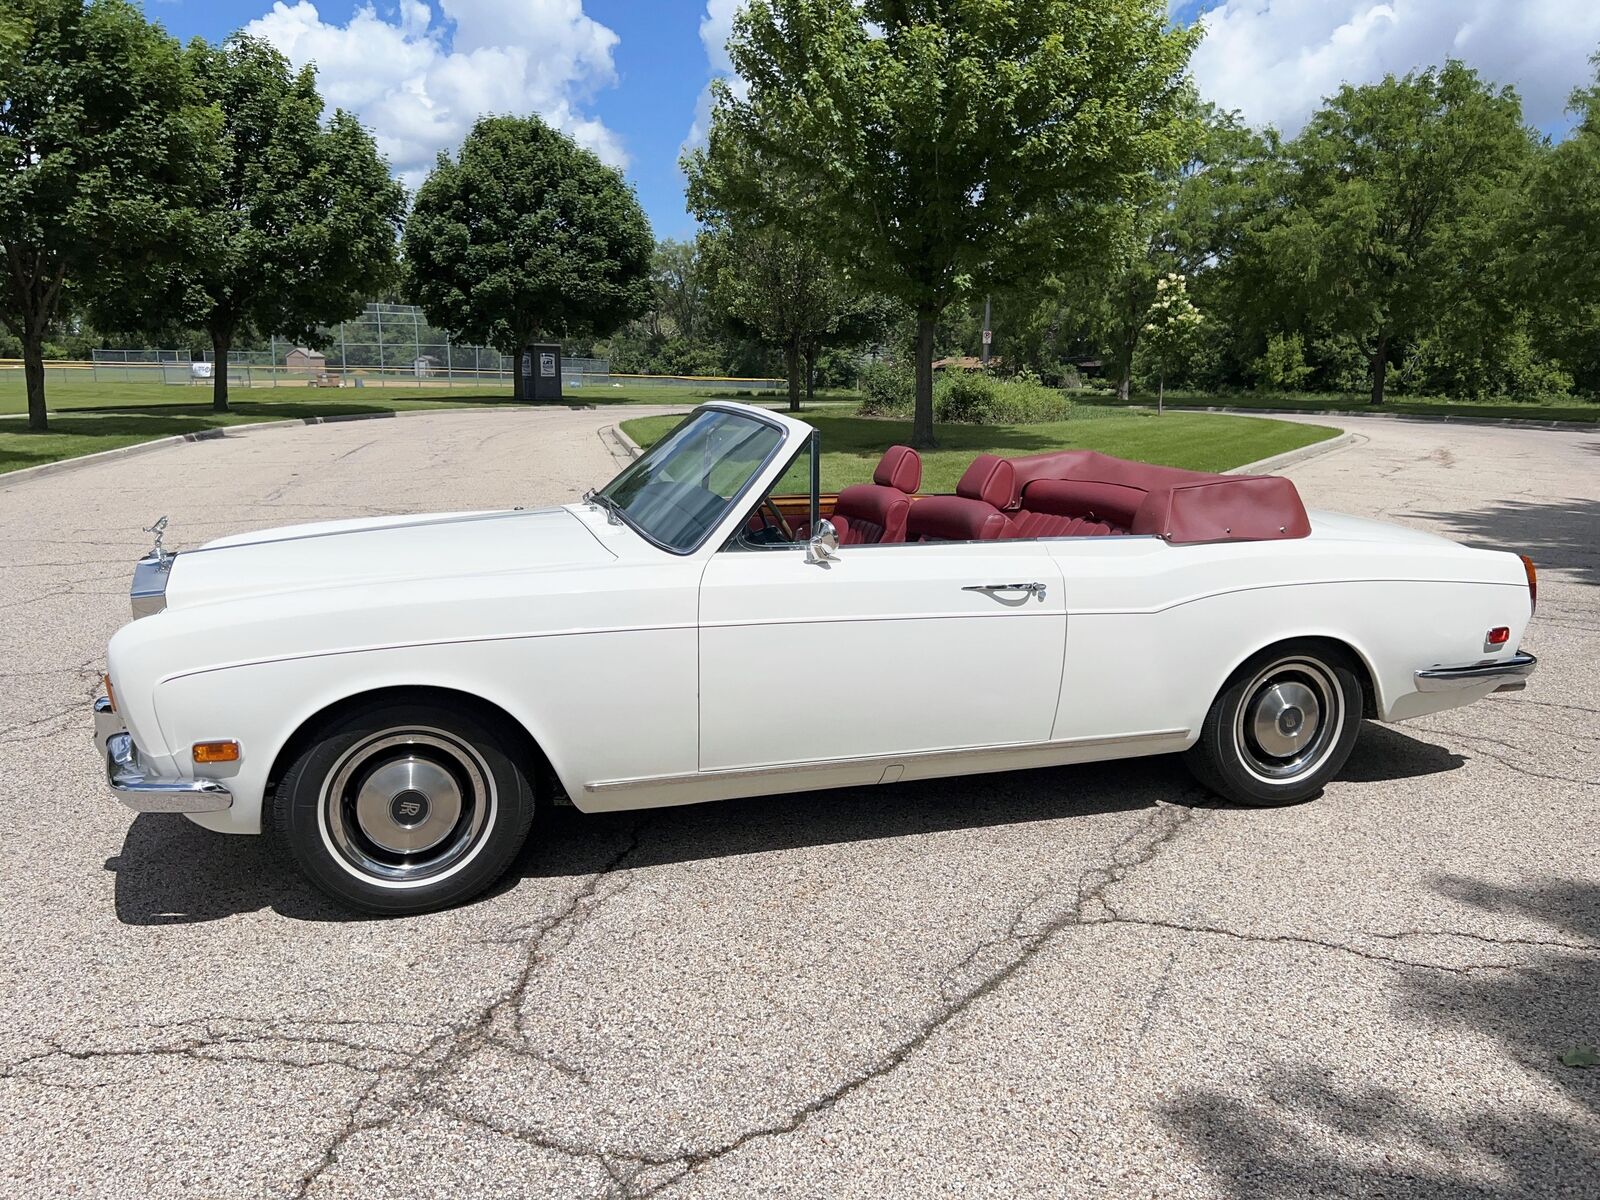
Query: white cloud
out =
(716, 25)
(419, 80)
(1275, 60)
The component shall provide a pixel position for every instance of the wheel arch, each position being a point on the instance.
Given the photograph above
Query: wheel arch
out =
(530, 754)
(1371, 701)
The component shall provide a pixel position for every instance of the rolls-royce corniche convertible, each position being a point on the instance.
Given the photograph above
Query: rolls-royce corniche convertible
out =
(396, 698)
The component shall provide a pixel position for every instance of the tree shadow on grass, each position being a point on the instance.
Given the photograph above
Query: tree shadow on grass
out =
(1302, 1134)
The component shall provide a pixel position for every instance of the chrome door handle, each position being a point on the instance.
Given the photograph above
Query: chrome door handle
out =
(1036, 589)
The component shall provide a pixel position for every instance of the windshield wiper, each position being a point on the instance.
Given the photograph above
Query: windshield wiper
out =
(601, 500)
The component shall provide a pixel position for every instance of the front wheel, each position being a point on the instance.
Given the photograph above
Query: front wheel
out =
(1281, 728)
(402, 808)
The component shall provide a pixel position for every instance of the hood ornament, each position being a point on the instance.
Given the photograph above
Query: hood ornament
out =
(160, 530)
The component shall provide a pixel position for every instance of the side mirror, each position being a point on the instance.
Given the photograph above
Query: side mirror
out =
(824, 544)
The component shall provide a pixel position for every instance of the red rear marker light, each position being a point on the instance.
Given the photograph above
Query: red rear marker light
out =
(1498, 636)
(1533, 581)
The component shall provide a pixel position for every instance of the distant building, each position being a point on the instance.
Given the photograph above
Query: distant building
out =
(424, 365)
(302, 360)
(964, 363)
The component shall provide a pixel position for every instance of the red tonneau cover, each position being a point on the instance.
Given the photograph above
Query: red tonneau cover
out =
(1180, 506)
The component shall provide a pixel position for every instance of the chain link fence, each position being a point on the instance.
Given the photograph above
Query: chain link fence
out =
(388, 345)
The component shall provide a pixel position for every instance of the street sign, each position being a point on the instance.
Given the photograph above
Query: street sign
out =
(988, 336)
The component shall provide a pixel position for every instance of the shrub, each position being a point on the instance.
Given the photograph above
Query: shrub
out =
(964, 397)
(974, 399)
(889, 391)
(1283, 367)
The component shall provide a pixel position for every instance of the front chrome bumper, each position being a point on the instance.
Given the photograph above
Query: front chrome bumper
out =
(1511, 674)
(128, 781)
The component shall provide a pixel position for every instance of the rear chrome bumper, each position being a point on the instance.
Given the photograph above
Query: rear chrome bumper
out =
(126, 775)
(1511, 674)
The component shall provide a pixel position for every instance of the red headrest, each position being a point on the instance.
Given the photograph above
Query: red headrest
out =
(901, 468)
(990, 479)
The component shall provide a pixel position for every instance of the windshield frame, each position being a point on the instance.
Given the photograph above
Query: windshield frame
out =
(734, 503)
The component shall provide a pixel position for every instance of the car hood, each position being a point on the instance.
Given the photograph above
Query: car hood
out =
(382, 550)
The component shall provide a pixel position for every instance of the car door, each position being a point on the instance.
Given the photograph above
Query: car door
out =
(887, 650)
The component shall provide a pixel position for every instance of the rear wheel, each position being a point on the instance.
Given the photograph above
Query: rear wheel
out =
(1282, 727)
(404, 808)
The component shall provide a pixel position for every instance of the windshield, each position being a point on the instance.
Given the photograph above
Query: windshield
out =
(676, 494)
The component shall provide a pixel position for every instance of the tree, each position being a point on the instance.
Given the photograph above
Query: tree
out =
(783, 289)
(299, 222)
(102, 135)
(680, 288)
(1379, 184)
(951, 144)
(1171, 327)
(775, 279)
(526, 235)
(1557, 241)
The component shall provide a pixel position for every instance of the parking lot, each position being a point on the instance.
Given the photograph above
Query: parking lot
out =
(1083, 981)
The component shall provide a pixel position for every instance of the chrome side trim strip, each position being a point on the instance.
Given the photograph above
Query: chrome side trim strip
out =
(1513, 673)
(872, 761)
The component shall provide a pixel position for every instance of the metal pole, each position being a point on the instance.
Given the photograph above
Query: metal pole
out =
(986, 332)
(449, 367)
(343, 367)
(274, 364)
(377, 311)
(416, 342)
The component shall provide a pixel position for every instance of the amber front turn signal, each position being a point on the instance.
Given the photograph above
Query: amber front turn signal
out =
(1533, 581)
(216, 752)
(111, 694)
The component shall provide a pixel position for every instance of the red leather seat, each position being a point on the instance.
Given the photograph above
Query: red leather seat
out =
(974, 513)
(873, 512)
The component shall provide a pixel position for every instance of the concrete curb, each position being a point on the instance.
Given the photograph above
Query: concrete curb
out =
(1267, 466)
(1335, 414)
(622, 447)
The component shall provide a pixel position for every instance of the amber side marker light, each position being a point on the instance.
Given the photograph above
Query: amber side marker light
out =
(111, 692)
(1533, 580)
(216, 752)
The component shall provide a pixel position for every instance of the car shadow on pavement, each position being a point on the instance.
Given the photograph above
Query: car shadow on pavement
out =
(1559, 535)
(1300, 1131)
(171, 871)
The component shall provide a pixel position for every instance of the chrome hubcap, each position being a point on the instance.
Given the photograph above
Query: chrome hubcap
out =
(1285, 718)
(1289, 721)
(407, 805)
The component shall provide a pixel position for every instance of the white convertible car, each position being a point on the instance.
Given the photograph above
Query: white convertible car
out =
(396, 696)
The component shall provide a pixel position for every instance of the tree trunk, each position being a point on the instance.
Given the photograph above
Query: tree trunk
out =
(1161, 393)
(922, 407)
(1380, 367)
(219, 370)
(811, 373)
(33, 373)
(791, 366)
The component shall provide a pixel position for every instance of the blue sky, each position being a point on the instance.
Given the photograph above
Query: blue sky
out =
(629, 78)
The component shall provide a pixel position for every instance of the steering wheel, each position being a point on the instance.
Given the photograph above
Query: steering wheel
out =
(770, 507)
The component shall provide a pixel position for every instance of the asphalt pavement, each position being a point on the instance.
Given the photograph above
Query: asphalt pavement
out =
(1090, 981)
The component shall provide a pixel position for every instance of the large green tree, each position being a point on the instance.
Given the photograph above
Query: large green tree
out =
(102, 136)
(526, 235)
(1383, 186)
(1557, 242)
(951, 144)
(299, 221)
(776, 279)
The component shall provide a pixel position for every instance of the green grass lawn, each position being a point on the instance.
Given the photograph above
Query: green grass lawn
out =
(1421, 406)
(851, 446)
(87, 417)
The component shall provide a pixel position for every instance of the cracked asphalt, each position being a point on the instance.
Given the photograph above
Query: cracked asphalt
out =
(1091, 981)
